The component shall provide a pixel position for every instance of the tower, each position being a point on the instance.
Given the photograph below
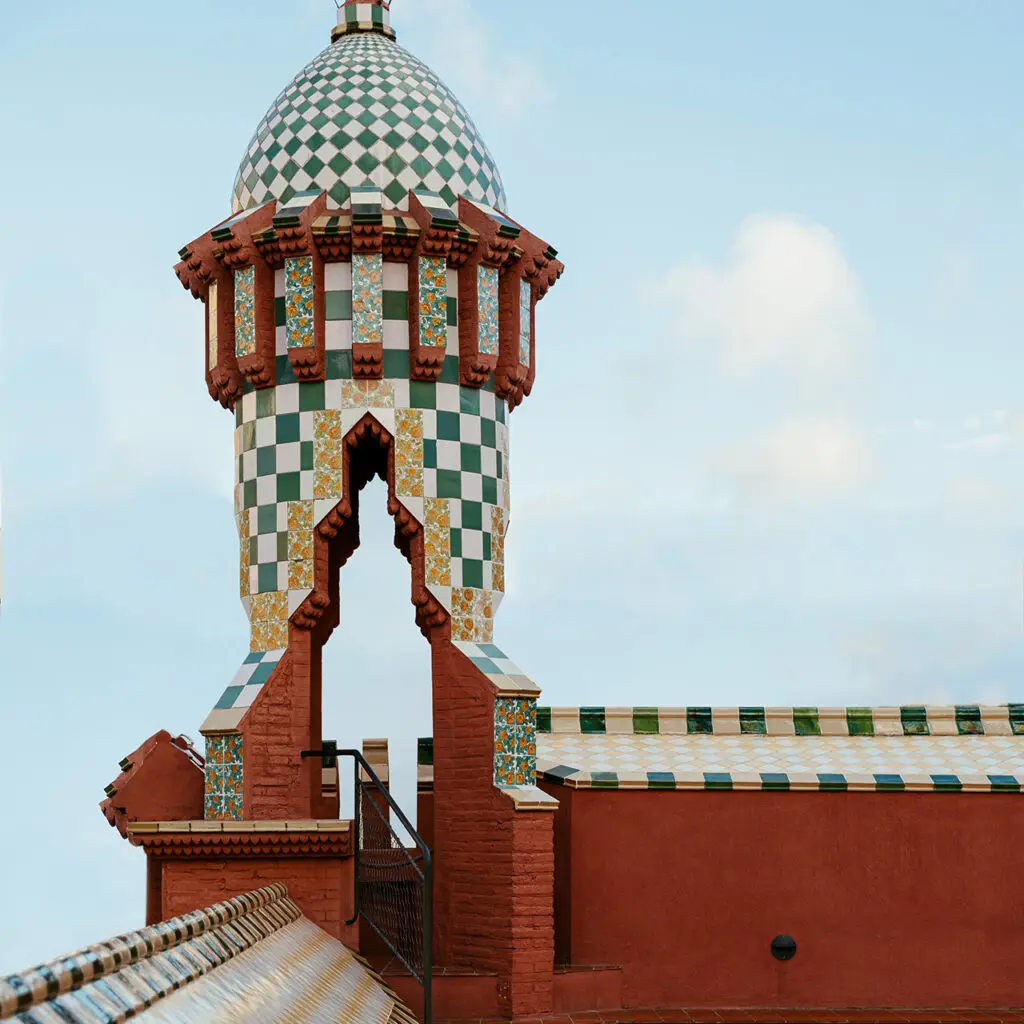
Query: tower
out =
(370, 311)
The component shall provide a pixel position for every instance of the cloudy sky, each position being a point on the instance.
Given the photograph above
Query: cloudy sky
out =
(772, 457)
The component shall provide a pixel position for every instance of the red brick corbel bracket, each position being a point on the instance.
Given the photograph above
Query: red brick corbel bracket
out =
(492, 250)
(236, 249)
(198, 270)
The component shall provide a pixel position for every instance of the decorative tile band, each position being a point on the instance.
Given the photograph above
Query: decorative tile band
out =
(487, 304)
(367, 299)
(433, 312)
(525, 323)
(124, 976)
(212, 325)
(298, 299)
(245, 312)
(223, 773)
(515, 741)
(918, 720)
(566, 775)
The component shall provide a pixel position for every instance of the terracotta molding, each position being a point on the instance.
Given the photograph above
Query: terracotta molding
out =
(245, 844)
(510, 375)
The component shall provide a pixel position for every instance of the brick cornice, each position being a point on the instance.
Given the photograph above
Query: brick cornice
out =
(243, 838)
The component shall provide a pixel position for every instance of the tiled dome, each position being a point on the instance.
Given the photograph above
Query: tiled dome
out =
(366, 112)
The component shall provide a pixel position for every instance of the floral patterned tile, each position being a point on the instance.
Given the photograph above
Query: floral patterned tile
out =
(367, 394)
(368, 299)
(433, 275)
(223, 777)
(409, 452)
(487, 300)
(245, 312)
(525, 325)
(515, 741)
(437, 542)
(498, 549)
(298, 283)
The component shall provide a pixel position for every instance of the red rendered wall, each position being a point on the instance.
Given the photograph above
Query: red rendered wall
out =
(894, 899)
(321, 886)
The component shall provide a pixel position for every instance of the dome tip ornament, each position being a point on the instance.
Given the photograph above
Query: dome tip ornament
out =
(363, 16)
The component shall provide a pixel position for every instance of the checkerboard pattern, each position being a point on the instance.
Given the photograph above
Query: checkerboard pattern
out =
(243, 689)
(757, 761)
(918, 720)
(364, 17)
(954, 749)
(509, 679)
(222, 799)
(366, 112)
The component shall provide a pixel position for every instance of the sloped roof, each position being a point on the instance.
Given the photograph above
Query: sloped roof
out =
(949, 749)
(251, 958)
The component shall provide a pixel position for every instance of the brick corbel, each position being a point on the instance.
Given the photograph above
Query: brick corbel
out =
(437, 233)
(236, 250)
(197, 271)
(492, 249)
(542, 269)
(510, 376)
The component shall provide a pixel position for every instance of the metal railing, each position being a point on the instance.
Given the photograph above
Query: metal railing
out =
(393, 884)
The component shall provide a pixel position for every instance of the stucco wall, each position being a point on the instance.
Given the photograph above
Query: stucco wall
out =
(894, 899)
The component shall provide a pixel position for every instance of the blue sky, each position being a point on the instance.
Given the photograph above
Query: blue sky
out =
(773, 453)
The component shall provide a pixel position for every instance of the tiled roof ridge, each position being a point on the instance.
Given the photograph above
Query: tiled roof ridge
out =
(157, 971)
(896, 720)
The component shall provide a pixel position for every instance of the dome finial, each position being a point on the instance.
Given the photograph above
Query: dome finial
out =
(363, 16)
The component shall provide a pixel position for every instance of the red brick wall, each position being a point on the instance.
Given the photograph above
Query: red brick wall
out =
(894, 899)
(278, 783)
(493, 889)
(321, 886)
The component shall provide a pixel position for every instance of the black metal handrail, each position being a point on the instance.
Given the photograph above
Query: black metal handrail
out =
(387, 873)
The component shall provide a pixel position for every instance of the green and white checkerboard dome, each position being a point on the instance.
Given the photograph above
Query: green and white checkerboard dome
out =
(366, 112)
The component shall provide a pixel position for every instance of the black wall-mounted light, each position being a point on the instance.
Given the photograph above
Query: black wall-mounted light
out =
(783, 947)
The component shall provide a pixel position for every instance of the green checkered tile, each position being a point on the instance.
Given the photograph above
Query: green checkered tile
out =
(366, 112)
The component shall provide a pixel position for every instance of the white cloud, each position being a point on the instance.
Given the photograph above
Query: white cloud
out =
(800, 458)
(786, 296)
(493, 75)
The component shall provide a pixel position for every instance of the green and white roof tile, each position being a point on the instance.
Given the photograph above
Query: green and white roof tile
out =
(366, 112)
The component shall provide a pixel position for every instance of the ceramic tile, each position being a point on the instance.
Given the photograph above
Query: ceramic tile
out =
(525, 322)
(245, 312)
(367, 299)
(515, 741)
(223, 777)
(433, 311)
(299, 301)
(437, 542)
(212, 323)
(487, 309)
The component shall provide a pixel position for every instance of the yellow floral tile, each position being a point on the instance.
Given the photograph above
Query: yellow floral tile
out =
(498, 578)
(300, 575)
(326, 425)
(437, 543)
(327, 484)
(409, 452)
(300, 515)
(300, 545)
(243, 566)
(367, 394)
(409, 481)
(259, 637)
(277, 635)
